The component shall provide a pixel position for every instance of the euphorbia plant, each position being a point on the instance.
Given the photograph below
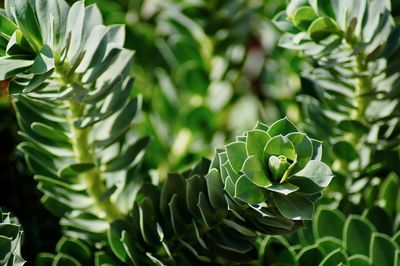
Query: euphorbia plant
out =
(69, 79)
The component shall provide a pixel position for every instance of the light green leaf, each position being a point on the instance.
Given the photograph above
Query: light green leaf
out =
(237, 154)
(303, 17)
(282, 127)
(75, 25)
(9, 67)
(280, 145)
(131, 155)
(44, 62)
(284, 188)
(248, 192)
(322, 27)
(304, 149)
(254, 170)
(318, 172)
(7, 27)
(27, 22)
(256, 141)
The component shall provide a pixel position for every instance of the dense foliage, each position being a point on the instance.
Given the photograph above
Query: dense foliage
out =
(119, 103)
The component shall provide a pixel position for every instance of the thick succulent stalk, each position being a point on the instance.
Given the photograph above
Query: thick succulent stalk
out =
(363, 85)
(84, 155)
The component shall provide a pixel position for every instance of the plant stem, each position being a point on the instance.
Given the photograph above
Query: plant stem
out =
(362, 88)
(83, 154)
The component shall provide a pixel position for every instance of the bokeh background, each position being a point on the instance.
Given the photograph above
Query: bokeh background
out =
(206, 71)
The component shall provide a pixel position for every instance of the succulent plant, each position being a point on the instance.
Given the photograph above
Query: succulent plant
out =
(274, 170)
(335, 239)
(214, 211)
(69, 81)
(10, 240)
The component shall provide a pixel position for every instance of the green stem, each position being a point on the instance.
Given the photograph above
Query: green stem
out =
(83, 154)
(363, 87)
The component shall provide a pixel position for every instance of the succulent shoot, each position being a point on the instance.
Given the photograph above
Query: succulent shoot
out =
(274, 167)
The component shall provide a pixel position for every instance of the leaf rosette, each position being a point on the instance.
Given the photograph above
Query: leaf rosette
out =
(274, 170)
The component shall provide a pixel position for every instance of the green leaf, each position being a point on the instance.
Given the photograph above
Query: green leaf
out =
(317, 150)
(284, 188)
(336, 257)
(194, 185)
(382, 250)
(318, 172)
(7, 27)
(74, 170)
(63, 259)
(75, 248)
(148, 221)
(388, 193)
(345, 151)
(48, 15)
(309, 255)
(5, 249)
(282, 127)
(357, 234)
(294, 207)
(103, 258)
(237, 154)
(322, 27)
(328, 223)
(177, 219)
(114, 235)
(175, 184)
(256, 141)
(44, 62)
(95, 48)
(75, 24)
(207, 212)
(45, 130)
(227, 170)
(280, 145)
(27, 22)
(304, 149)
(254, 170)
(248, 192)
(293, 5)
(359, 260)
(9, 67)
(44, 259)
(303, 17)
(215, 189)
(278, 166)
(328, 244)
(128, 157)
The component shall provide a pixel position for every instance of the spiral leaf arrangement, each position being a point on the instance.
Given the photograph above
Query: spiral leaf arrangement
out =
(214, 212)
(69, 78)
(352, 84)
(352, 44)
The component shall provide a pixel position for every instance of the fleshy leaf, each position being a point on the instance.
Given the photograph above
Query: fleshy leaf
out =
(248, 192)
(254, 169)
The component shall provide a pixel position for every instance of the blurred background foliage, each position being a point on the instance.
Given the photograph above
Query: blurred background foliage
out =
(206, 70)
